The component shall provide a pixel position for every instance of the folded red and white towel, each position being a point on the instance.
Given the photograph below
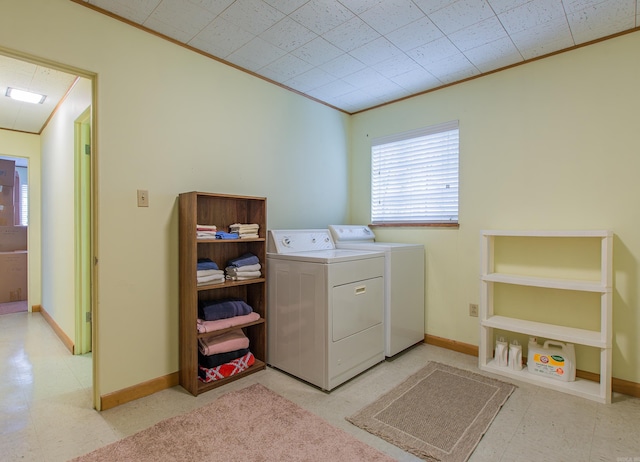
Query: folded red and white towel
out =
(234, 367)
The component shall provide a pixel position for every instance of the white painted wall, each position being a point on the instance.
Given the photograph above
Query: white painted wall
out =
(552, 144)
(58, 189)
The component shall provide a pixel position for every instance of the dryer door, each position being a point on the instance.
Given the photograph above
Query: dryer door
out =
(356, 307)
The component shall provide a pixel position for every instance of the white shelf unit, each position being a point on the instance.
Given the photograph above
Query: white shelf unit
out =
(601, 339)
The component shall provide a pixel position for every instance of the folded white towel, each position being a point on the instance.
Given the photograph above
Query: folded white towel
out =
(233, 269)
(215, 277)
(212, 272)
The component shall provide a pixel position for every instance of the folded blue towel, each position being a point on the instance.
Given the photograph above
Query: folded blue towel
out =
(244, 260)
(223, 235)
(212, 310)
(206, 264)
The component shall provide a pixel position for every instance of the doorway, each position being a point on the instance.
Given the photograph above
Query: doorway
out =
(14, 213)
(62, 212)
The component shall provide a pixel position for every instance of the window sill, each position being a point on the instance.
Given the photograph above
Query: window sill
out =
(415, 225)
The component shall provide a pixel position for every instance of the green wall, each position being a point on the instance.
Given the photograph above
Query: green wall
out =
(552, 144)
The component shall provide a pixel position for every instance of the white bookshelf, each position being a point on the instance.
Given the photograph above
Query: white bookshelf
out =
(601, 339)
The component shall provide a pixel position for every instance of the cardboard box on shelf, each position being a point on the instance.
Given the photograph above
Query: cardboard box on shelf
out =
(6, 215)
(7, 196)
(13, 276)
(13, 238)
(7, 172)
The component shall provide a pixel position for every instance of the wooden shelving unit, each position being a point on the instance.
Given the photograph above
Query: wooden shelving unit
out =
(601, 338)
(222, 211)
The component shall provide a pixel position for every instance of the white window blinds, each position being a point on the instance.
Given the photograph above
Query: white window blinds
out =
(414, 176)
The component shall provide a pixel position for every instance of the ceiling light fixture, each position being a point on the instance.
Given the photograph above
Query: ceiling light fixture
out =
(26, 96)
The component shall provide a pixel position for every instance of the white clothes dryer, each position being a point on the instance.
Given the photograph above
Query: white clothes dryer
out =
(325, 307)
(404, 311)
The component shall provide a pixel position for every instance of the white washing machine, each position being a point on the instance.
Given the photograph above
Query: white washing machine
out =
(404, 284)
(325, 307)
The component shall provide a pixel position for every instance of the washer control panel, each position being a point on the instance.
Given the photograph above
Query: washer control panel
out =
(343, 233)
(299, 240)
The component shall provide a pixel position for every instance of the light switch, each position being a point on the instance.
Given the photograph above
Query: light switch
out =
(143, 198)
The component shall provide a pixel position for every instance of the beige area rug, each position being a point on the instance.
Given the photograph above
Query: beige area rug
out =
(439, 414)
(253, 424)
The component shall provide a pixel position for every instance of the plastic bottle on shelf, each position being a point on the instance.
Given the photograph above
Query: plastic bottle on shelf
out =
(502, 352)
(515, 356)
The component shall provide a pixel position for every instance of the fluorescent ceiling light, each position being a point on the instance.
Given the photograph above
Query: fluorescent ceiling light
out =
(26, 96)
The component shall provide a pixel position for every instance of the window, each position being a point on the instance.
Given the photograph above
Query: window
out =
(414, 176)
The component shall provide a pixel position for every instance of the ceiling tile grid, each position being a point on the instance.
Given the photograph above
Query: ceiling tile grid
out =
(356, 54)
(350, 54)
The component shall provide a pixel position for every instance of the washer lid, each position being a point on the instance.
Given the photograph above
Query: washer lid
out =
(326, 256)
(345, 233)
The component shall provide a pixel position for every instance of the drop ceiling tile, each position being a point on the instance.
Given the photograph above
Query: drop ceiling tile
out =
(453, 68)
(573, 6)
(433, 52)
(602, 19)
(256, 54)
(321, 16)
(309, 80)
(332, 90)
(360, 6)
(343, 65)
(415, 34)
(317, 52)
(390, 15)
(137, 11)
(376, 51)
(500, 6)
(461, 14)
(477, 34)
(285, 68)
(543, 39)
(169, 31)
(179, 19)
(356, 101)
(417, 81)
(254, 16)
(288, 34)
(214, 6)
(494, 55)
(351, 34)
(286, 6)
(386, 90)
(531, 15)
(221, 38)
(431, 6)
(396, 65)
(364, 76)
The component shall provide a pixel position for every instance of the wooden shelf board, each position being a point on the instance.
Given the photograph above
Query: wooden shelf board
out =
(564, 284)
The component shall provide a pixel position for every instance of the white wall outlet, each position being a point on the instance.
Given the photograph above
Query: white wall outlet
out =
(473, 310)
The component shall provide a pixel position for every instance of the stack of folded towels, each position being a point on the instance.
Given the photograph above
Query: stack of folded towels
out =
(208, 272)
(245, 230)
(206, 231)
(225, 354)
(246, 266)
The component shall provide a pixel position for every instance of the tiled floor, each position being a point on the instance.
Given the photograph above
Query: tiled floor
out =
(46, 414)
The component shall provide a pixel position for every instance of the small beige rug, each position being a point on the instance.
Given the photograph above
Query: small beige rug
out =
(439, 414)
(253, 424)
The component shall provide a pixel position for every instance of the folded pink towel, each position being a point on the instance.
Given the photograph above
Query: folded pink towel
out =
(211, 326)
(223, 343)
